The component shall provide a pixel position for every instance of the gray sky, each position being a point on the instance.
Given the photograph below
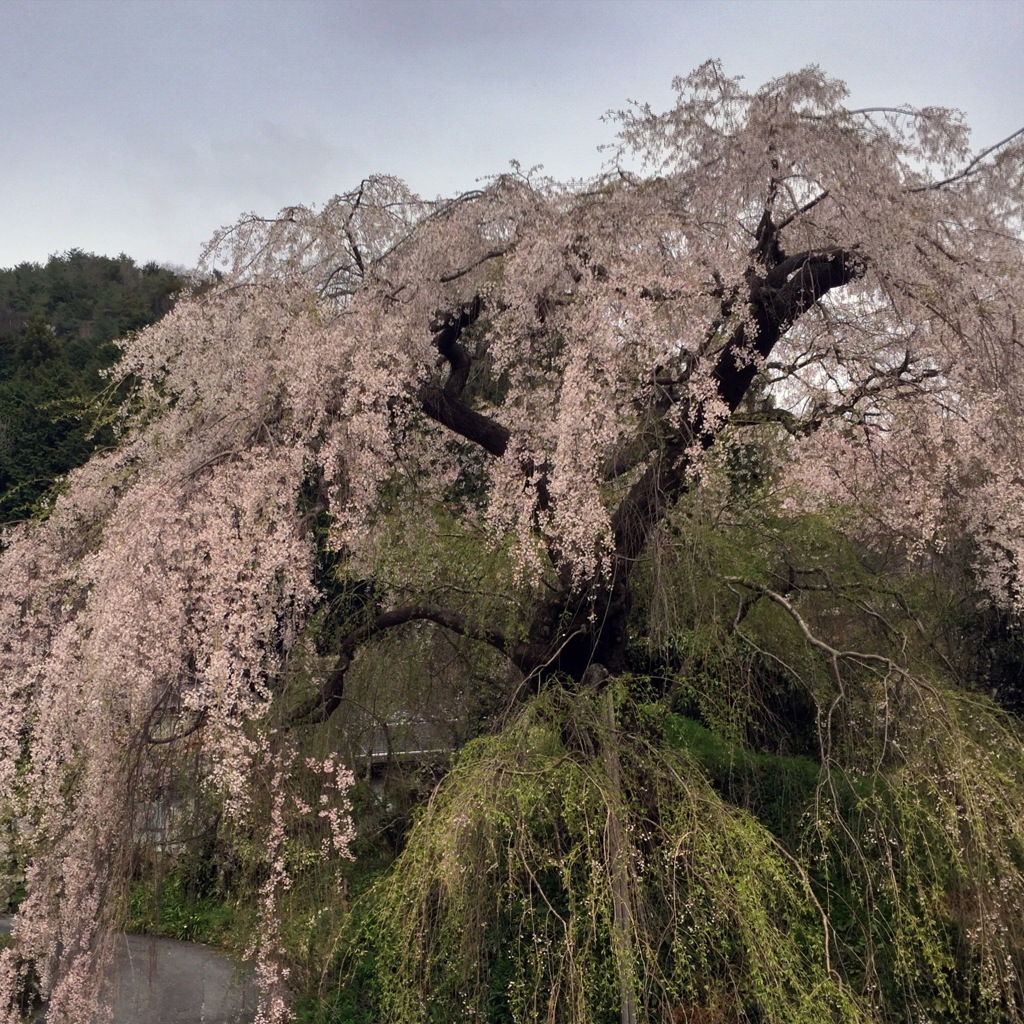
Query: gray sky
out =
(143, 125)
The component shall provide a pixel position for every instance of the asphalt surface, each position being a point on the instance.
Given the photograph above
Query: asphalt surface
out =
(160, 981)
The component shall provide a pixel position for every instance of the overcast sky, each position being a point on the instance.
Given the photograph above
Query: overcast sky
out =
(140, 126)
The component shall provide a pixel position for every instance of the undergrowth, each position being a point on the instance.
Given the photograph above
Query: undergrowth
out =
(600, 854)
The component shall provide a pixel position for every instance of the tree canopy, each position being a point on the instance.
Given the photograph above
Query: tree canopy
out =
(572, 426)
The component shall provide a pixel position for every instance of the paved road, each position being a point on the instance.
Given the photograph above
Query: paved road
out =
(160, 981)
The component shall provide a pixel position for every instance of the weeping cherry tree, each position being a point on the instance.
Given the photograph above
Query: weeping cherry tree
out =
(552, 373)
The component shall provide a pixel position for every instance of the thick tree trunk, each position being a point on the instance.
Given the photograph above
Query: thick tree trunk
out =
(581, 627)
(591, 626)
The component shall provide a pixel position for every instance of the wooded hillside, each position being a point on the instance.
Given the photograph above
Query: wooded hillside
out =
(58, 324)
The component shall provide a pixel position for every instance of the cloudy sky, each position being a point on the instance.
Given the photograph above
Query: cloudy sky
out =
(140, 126)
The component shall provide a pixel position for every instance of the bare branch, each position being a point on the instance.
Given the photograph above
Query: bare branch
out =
(803, 209)
(491, 254)
(833, 653)
(445, 404)
(325, 702)
(971, 168)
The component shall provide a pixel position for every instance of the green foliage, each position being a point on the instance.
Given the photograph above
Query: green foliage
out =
(770, 786)
(507, 903)
(922, 860)
(174, 906)
(794, 812)
(906, 812)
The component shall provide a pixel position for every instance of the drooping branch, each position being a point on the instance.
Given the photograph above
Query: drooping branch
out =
(160, 712)
(971, 168)
(325, 702)
(835, 655)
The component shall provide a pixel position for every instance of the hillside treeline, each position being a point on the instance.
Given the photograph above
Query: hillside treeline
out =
(58, 325)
